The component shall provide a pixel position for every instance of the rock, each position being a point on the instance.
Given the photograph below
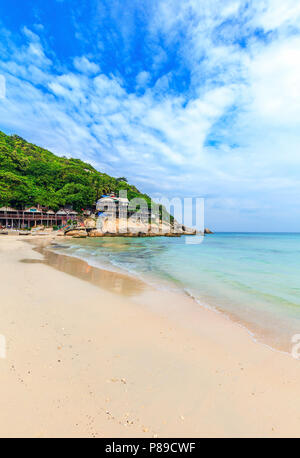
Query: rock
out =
(207, 231)
(95, 233)
(188, 230)
(121, 227)
(177, 227)
(72, 230)
(77, 233)
(90, 223)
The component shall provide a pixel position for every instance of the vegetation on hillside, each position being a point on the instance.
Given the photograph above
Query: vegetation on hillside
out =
(30, 175)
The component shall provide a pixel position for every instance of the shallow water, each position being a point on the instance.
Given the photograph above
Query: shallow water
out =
(254, 278)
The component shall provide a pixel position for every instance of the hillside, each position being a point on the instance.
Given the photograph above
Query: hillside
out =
(30, 175)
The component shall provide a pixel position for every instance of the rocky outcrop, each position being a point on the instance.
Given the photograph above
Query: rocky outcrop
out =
(95, 233)
(190, 232)
(78, 232)
(90, 223)
(207, 231)
(80, 235)
(121, 227)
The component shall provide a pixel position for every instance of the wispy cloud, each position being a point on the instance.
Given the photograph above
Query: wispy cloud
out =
(84, 65)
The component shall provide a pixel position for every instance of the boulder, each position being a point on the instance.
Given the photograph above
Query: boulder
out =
(188, 230)
(95, 233)
(90, 223)
(207, 231)
(76, 233)
(74, 228)
(178, 227)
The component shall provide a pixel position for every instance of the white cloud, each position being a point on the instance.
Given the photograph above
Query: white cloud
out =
(274, 75)
(84, 65)
(2, 87)
(142, 78)
(274, 14)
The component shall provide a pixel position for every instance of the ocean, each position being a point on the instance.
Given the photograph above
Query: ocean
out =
(254, 278)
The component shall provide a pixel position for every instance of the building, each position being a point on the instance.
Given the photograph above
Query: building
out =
(112, 206)
(34, 216)
(67, 214)
(119, 207)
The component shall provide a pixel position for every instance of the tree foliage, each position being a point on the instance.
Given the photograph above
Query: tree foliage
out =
(30, 175)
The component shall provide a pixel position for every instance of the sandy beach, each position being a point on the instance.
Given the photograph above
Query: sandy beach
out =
(97, 354)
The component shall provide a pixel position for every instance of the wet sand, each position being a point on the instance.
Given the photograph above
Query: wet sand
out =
(107, 280)
(92, 353)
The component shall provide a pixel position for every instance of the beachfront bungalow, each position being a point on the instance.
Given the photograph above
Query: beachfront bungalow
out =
(35, 210)
(34, 216)
(7, 215)
(67, 213)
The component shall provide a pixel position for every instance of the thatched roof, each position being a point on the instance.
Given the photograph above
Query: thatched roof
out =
(32, 210)
(66, 211)
(8, 209)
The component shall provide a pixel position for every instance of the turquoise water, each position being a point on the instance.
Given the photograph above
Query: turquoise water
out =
(253, 278)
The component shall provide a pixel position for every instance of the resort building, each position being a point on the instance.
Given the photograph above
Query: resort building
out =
(34, 216)
(112, 206)
(119, 207)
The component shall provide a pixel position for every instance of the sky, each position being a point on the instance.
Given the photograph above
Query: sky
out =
(189, 98)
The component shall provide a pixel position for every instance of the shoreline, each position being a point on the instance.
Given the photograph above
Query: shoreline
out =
(117, 282)
(117, 365)
(258, 335)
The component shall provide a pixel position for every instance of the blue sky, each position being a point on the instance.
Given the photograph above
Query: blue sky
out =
(185, 98)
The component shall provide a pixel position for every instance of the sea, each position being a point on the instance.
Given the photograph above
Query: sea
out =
(253, 278)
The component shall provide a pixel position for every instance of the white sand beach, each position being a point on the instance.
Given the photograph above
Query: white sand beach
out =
(84, 360)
